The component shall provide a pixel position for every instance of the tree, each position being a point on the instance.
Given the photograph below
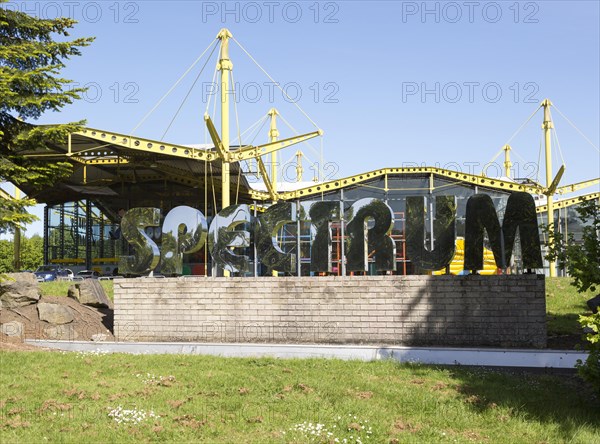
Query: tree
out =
(32, 254)
(6, 256)
(582, 262)
(580, 259)
(30, 64)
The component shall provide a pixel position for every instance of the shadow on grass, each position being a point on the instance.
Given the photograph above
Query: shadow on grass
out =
(563, 401)
(563, 323)
(564, 331)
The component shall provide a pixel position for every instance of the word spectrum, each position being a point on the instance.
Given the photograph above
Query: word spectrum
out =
(235, 228)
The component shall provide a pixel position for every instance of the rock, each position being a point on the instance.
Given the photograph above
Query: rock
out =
(60, 333)
(73, 292)
(594, 303)
(13, 328)
(19, 290)
(99, 337)
(54, 313)
(89, 292)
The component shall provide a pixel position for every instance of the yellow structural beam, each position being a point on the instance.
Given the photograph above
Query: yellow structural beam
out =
(552, 188)
(117, 161)
(254, 151)
(577, 186)
(260, 195)
(259, 208)
(214, 135)
(67, 261)
(457, 176)
(146, 145)
(263, 171)
(563, 203)
(251, 151)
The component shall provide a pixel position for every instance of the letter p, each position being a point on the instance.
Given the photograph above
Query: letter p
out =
(208, 9)
(408, 9)
(409, 89)
(208, 89)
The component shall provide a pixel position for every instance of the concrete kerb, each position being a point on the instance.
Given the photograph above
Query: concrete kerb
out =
(492, 357)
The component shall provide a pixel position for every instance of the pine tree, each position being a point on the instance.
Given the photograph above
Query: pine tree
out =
(32, 55)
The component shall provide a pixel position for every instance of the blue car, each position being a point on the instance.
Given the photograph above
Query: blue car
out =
(47, 273)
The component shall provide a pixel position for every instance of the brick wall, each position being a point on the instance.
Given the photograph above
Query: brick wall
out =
(506, 311)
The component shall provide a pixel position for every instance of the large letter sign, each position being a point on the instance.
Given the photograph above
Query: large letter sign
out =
(222, 238)
(362, 241)
(183, 231)
(146, 254)
(269, 223)
(520, 213)
(444, 232)
(368, 224)
(321, 214)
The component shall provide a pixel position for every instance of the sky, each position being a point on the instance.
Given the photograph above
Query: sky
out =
(391, 84)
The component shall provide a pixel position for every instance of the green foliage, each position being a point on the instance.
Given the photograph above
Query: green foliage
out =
(6, 256)
(581, 260)
(30, 63)
(564, 304)
(593, 323)
(590, 369)
(32, 254)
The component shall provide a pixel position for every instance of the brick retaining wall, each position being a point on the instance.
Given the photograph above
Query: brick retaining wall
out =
(506, 311)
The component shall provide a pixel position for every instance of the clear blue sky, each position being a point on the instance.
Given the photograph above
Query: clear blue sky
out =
(390, 83)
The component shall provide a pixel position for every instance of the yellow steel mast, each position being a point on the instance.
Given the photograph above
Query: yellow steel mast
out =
(547, 127)
(273, 135)
(299, 168)
(225, 66)
(507, 162)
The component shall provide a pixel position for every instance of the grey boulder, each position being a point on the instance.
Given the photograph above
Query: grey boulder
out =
(54, 313)
(89, 292)
(19, 290)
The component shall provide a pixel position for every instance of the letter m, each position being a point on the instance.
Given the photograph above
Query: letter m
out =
(520, 213)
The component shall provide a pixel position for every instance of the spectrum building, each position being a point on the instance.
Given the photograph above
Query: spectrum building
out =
(135, 206)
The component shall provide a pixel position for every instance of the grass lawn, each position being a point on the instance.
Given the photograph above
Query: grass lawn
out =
(564, 305)
(60, 288)
(77, 397)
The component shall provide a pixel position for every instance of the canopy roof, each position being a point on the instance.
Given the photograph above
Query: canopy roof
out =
(121, 171)
(115, 170)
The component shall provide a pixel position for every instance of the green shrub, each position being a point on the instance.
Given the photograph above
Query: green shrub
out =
(590, 369)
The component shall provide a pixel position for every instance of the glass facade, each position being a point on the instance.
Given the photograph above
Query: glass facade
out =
(80, 235)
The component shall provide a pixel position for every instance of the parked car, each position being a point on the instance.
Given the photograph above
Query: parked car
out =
(88, 274)
(67, 274)
(47, 273)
